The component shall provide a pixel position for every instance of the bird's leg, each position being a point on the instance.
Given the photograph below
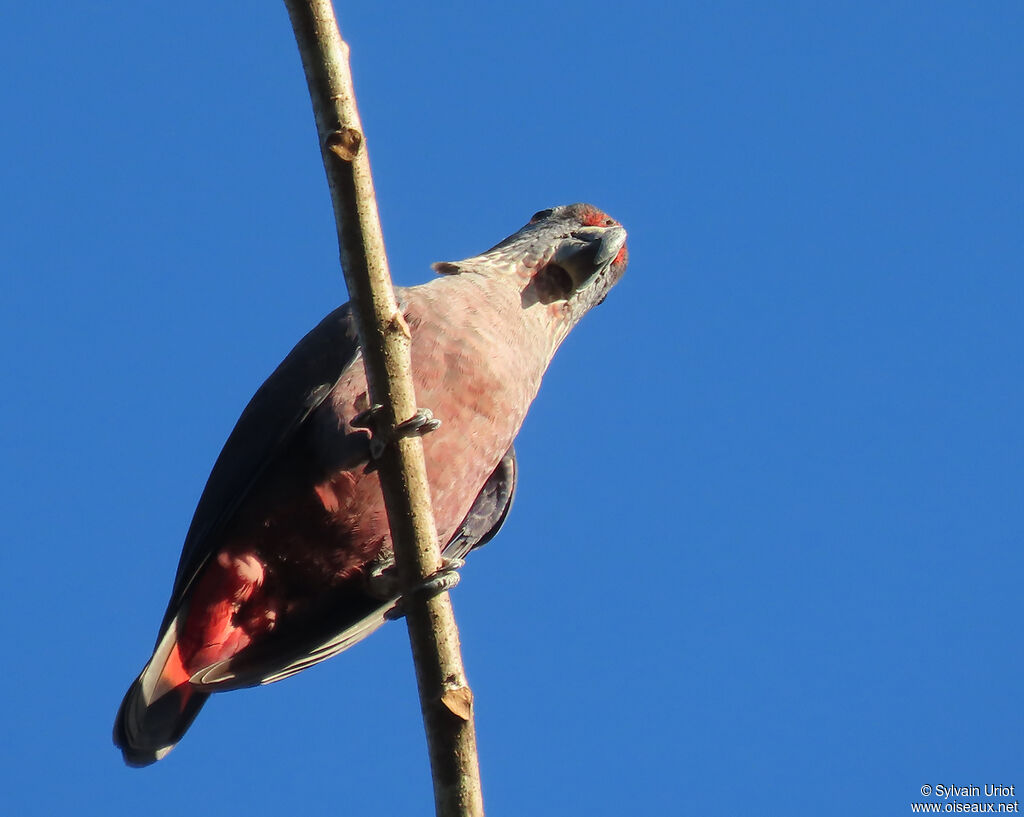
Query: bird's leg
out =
(382, 577)
(422, 422)
(445, 578)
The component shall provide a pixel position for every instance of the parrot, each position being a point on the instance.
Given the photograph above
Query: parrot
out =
(288, 556)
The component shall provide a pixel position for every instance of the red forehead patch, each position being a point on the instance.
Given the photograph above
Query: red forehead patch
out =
(595, 218)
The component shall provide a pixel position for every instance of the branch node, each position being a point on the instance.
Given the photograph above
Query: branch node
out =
(400, 325)
(459, 701)
(345, 143)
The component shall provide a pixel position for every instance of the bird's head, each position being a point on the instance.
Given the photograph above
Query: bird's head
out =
(565, 259)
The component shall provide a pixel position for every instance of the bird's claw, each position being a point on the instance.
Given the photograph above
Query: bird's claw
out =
(368, 418)
(442, 580)
(422, 422)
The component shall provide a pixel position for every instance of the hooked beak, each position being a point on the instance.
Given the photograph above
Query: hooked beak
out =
(588, 252)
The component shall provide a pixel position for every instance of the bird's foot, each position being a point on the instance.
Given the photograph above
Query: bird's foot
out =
(441, 581)
(382, 578)
(422, 422)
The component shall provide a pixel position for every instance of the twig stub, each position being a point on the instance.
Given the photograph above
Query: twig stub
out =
(345, 143)
(459, 701)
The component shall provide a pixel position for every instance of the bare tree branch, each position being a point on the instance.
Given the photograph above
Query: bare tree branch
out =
(445, 696)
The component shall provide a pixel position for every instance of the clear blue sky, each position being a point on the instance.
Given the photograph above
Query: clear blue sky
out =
(766, 555)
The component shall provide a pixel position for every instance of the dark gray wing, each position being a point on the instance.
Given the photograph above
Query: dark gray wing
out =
(489, 511)
(274, 414)
(357, 611)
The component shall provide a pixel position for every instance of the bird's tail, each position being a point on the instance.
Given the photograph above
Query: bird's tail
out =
(159, 707)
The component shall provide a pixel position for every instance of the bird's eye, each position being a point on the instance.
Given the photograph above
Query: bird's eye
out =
(541, 214)
(609, 222)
